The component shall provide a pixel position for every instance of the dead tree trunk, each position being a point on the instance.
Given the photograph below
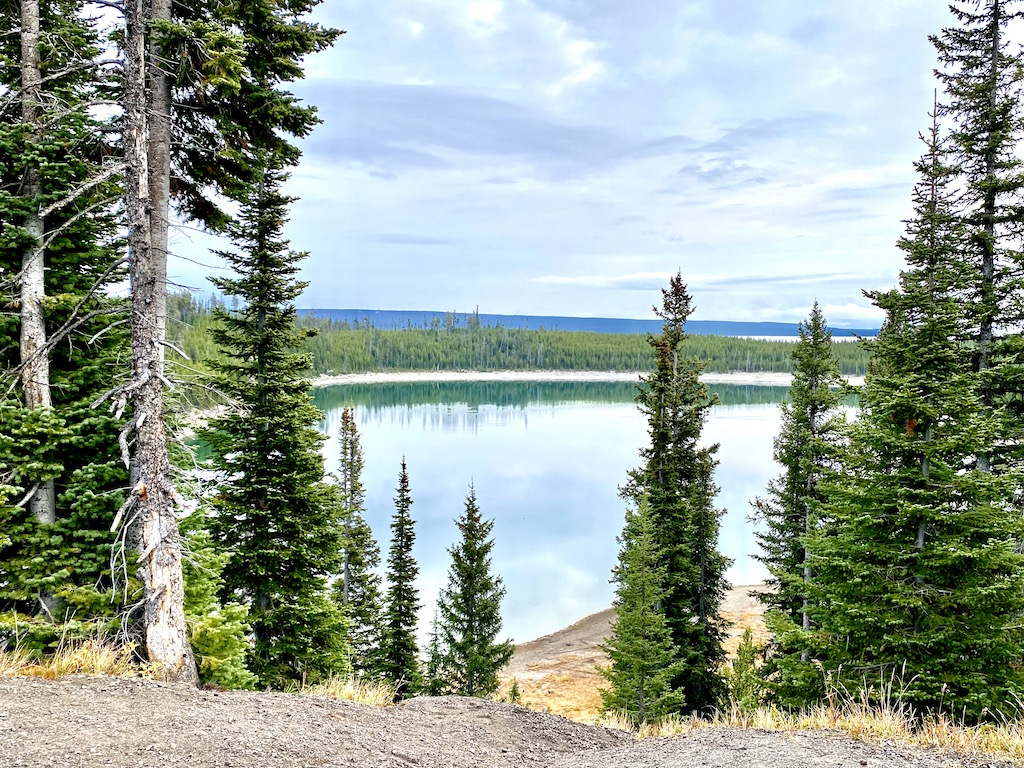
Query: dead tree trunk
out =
(35, 374)
(159, 84)
(156, 528)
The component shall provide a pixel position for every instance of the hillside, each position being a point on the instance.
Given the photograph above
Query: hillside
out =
(558, 672)
(91, 722)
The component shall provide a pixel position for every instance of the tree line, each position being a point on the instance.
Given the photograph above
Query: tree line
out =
(338, 348)
(894, 540)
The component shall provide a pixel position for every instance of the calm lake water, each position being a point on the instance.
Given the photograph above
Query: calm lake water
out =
(546, 460)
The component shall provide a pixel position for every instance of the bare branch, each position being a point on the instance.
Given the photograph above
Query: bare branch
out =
(28, 496)
(85, 212)
(123, 389)
(98, 64)
(95, 181)
(177, 349)
(105, 329)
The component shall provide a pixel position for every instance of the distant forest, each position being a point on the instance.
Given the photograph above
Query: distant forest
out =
(394, 320)
(339, 347)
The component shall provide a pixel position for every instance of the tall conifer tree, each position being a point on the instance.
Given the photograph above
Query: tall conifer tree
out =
(677, 481)
(470, 611)
(644, 662)
(358, 589)
(275, 513)
(807, 448)
(399, 654)
(918, 576)
(983, 77)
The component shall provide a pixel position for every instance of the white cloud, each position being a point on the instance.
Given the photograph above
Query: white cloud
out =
(483, 17)
(578, 57)
(605, 281)
(577, 153)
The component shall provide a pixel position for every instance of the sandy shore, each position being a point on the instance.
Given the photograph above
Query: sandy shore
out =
(741, 378)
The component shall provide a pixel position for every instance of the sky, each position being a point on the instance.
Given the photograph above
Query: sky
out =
(564, 157)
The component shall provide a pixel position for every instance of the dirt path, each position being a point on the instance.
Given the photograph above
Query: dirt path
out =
(82, 722)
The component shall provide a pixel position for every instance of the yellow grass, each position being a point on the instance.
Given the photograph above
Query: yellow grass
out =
(570, 694)
(14, 661)
(892, 722)
(377, 694)
(92, 656)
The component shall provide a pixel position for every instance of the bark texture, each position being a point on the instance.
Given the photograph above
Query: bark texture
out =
(156, 533)
(159, 141)
(35, 376)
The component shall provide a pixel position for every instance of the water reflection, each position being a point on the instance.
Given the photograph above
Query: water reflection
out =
(546, 460)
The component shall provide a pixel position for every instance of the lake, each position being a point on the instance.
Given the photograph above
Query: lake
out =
(546, 459)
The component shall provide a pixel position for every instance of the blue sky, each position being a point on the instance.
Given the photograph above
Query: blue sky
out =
(566, 156)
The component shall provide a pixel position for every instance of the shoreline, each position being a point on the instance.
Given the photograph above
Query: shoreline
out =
(740, 378)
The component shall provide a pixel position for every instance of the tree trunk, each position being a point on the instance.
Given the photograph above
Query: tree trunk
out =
(159, 165)
(35, 376)
(156, 529)
(988, 298)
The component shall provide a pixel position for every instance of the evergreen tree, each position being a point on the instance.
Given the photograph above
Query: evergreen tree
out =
(358, 591)
(218, 632)
(274, 512)
(676, 480)
(399, 655)
(202, 98)
(918, 574)
(808, 445)
(470, 608)
(746, 680)
(433, 684)
(983, 74)
(644, 660)
(60, 346)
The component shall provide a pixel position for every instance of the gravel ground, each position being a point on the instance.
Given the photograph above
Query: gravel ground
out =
(89, 722)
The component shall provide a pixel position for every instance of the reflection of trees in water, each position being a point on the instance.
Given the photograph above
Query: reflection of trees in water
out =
(450, 417)
(474, 395)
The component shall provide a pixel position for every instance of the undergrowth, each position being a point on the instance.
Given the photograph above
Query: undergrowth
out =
(88, 656)
(375, 693)
(889, 719)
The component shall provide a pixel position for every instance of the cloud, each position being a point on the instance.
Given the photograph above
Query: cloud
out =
(399, 239)
(636, 281)
(565, 157)
(704, 283)
(483, 17)
(402, 127)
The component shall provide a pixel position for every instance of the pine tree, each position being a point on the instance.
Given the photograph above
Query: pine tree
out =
(746, 680)
(433, 683)
(919, 576)
(218, 632)
(274, 512)
(358, 590)
(644, 660)
(470, 609)
(808, 445)
(676, 480)
(983, 75)
(399, 655)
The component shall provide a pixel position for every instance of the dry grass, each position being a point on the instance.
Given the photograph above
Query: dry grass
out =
(90, 656)
(14, 661)
(573, 695)
(892, 722)
(376, 694)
